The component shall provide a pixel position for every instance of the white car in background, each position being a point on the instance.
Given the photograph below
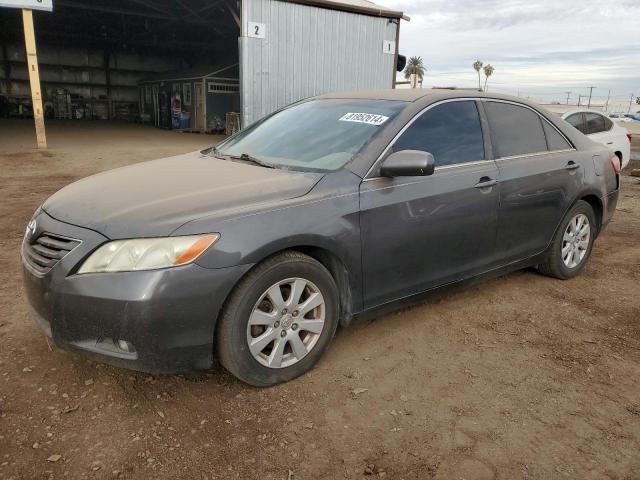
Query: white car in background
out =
(600, 128)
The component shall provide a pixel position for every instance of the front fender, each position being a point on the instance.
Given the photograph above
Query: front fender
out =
(327, 222)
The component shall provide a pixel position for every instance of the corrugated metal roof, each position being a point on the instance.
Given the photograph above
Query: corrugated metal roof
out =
(356, 6)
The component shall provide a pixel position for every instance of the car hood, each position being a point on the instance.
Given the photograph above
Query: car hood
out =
(155, 198)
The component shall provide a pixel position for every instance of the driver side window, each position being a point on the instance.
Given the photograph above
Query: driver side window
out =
(451, 132)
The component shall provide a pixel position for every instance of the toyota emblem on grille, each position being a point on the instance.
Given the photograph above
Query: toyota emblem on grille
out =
(31, 228)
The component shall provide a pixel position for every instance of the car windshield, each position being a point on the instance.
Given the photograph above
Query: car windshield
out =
(319, 135)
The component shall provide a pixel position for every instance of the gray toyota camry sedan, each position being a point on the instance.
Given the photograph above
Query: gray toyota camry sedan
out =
(329, 211)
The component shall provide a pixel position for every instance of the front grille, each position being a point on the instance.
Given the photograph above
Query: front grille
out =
(47, 250)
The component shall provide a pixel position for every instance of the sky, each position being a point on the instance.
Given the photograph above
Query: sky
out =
(540, 49)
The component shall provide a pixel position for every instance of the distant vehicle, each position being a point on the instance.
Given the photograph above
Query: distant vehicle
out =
(600, 128)
(333, 209)
(622, 117)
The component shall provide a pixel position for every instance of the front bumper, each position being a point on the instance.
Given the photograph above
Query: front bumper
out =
(168, 316)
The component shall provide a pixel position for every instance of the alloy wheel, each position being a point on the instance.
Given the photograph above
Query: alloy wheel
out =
(575, 241)
(286, 323)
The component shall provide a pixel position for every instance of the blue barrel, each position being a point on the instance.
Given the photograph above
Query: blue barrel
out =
(185, 120)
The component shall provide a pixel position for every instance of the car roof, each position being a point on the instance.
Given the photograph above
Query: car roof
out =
(416, 94)
(582, 110)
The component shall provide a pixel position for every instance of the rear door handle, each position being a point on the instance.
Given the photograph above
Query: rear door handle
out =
(572, 165)
(486, 182)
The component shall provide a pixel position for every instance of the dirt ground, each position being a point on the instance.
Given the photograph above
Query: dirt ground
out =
(518, 377)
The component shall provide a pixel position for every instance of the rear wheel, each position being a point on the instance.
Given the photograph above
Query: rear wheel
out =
(572, 243)
(279, 320)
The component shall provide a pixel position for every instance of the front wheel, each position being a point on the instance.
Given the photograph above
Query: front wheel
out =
(279, 320)
(572, 243)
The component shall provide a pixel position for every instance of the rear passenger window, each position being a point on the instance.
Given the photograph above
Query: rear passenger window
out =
(555, 141)
(451, 132)
(515, 130)
(577, 120)
(595, 123)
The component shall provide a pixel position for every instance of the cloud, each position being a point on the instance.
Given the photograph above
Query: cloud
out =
(534, 45)
(498, 14)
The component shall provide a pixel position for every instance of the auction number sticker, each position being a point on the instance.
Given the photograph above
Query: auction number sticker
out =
(368, 118)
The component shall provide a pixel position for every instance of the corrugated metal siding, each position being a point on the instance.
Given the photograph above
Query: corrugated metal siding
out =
(309, 51)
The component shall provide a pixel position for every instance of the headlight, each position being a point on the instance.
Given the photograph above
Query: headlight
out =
(147, 253)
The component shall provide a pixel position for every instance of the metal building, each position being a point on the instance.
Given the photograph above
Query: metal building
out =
(295, 49)
(95, 56)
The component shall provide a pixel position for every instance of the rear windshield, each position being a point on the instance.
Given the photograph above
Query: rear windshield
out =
(319, 135)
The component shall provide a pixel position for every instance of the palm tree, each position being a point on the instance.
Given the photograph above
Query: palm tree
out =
(477, 66)
(416, 67)
(488, 71)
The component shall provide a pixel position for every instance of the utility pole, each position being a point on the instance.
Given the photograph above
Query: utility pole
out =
(606, 106)
(579, 99)
(568, 95)
(590, 92)
(630, 102)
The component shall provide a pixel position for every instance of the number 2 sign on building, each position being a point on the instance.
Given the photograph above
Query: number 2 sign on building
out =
(256, 30)
(32, 58)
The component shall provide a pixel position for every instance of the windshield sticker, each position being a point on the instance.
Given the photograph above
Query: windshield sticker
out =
(368, 118)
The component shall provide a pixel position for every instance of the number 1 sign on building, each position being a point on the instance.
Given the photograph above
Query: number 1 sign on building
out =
(32, 58)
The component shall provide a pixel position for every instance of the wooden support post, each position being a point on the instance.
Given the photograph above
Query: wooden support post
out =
(233, 14)
(34, 77)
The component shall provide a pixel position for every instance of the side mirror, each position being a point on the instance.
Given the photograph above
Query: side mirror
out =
(408, 163)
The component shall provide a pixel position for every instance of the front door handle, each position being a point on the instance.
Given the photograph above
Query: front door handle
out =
(486, 182)
(572, 165)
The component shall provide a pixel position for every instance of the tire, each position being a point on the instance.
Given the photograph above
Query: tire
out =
(556, 264)
(255, 299)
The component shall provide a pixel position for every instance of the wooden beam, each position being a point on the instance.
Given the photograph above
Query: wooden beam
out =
(124, 11)
(233, 14)
(212, 4)
(34, 77)
(188, 9)
(151, 6)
